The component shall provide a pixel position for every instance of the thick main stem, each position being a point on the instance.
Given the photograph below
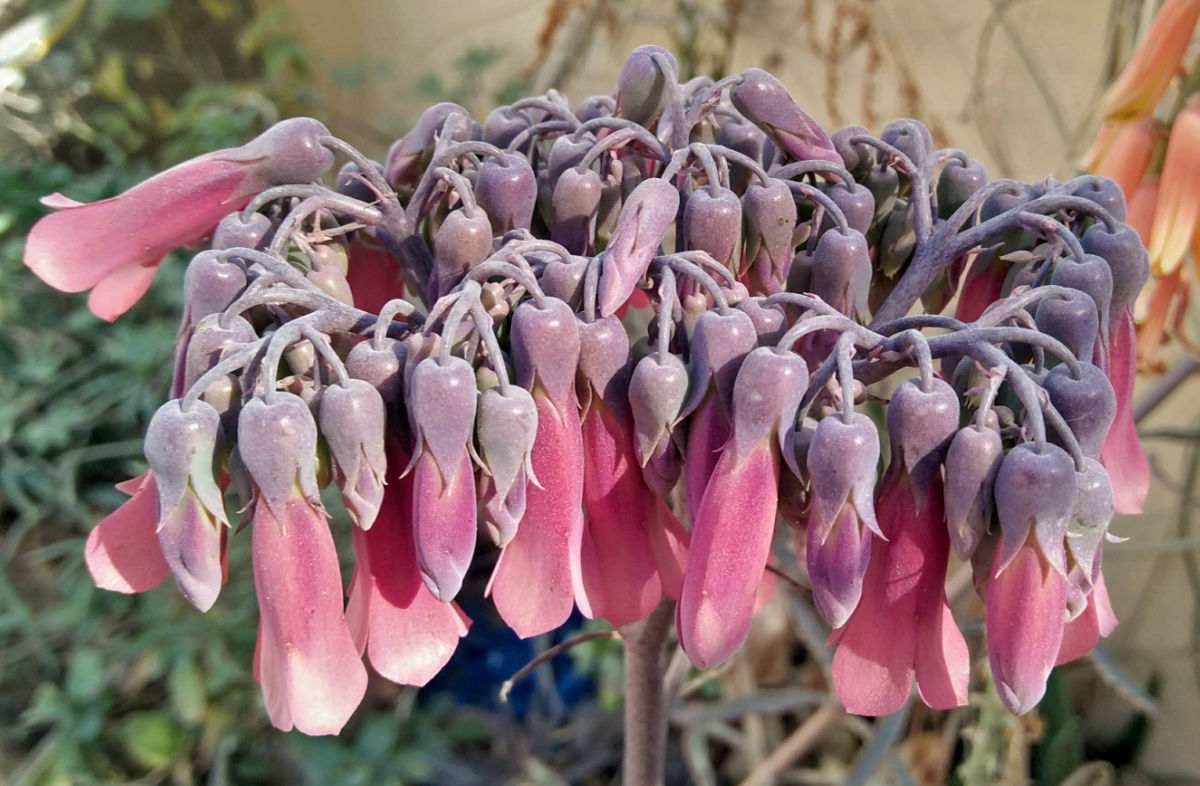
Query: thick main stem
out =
(645, 700)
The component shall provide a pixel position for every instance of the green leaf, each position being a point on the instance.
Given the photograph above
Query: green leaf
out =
(185, 685)
(151, 739)
(85, 677)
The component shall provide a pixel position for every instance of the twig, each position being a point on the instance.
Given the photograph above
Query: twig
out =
(550, 653)
(798, 743)
(781, 573)
(644, 759)
(1165, 387)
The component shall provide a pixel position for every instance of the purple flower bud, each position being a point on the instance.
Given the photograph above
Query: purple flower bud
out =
(1035, 490)
(1089, 523)
(381, 367)
(837, 562)
(574, 204)
(507, 191)
(957, 182)
(765, 101)
(293, 149)
(503, 125)
(604, 361)
(209, 339)
(766, 396)
(971, 464)
(1102, 190)
(771, 216)
(657, 389)
(910, 137)
(564, 280)
(769, 320)
(351, 182)
(920, 424)
(566, 152)
(800, 273)
(1072, 320)
(407, 158)
(857, 204)
(712, 222)
(277, 441)
(1126, 257)
(210, 284)
(720, 342)
(1088, 404)
(842, 457)
(645, 218)
(841, 271)
(442, 400)
(746, 138)
(642, 87)
(858, 158)
(353, 422)
(1092, 276)
(507, 426)
(593, 107)
(462, 241)
(233, 232)
(545, 347)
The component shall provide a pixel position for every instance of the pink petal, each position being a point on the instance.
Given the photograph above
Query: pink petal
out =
(119, 290)
(312, 675)
(122, 551)
(444, 525)
(191, 543)
(837, 566)
(1122, 453)
(669, 541)
(708, 431)
(620, 576)
(76, 247)
(983, 287)
(1026, 613)
(374, 276)
(1082, 633)
(731, 539)
(903, 627)
(538, 575)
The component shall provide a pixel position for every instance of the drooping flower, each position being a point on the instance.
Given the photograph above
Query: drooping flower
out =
(1178, 206)
(902, 628)
(1123, 151)
(113, 247)
(407, 634)
(735, 520)
(122, 551)
(645, 217)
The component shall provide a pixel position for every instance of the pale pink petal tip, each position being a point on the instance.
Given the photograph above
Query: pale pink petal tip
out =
(122, 551)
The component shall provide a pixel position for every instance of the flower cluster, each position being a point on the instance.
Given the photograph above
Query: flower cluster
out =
(1149, 144)
(623, 342)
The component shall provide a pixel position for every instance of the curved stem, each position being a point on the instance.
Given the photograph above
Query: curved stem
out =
(485, 330)
(321, 343)
(668, 296)
(813, 167)
(844, 352)
(814, 194)
(235, 361)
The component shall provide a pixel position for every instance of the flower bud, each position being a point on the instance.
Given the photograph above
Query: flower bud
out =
(1127, 260)
(858, 158)
(1103, 191)
(1072, 320)
(507, 427)
(1091, 276)
(292, 151)
(765, 101)
(1087, 404)
(643, 88)
(645, 218)
(719, 344)
(210, 284)
(277, 441)
(382, 368)
(407, 158)
(352, 183)
(771, 214)
(841, 271)
(957, 182)
(233, 232)
(353, 422)
(841, 459)
(769, 320)
(574, 203)
(1035, 490)
(657, 389)
(603, 361)
(442, 401)
(462, 241)
(857, 204)
(746, 138)
(332, 282)
(766, 396)
(503, 125)
(209, 339)
(506, 189)
(564, 280)
(910, 137)
(593, 107)
(712, 222)
(545, 347)
(972, 461)
(921, 423)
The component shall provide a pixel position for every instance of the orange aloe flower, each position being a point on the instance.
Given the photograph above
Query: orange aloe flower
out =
(1155, 62)
(1123, 151)
(1175, 216)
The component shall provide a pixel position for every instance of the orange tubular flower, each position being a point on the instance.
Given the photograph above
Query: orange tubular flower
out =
(1155, 62)
(1179, 195)
(1123, 151)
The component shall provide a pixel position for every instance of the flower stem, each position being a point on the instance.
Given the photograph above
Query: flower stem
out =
(645, 699)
